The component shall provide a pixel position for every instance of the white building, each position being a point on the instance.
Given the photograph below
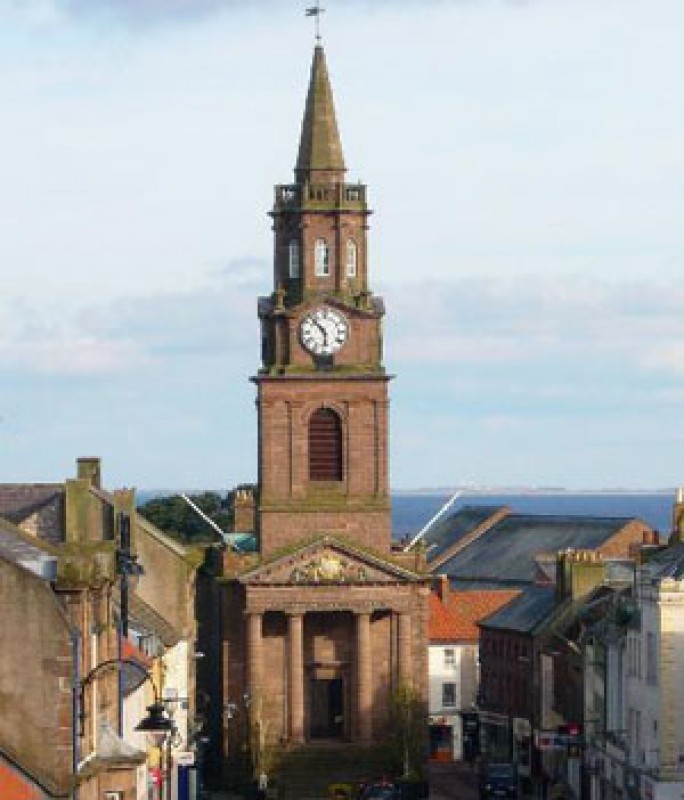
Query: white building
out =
(453, 662)
(634, 688)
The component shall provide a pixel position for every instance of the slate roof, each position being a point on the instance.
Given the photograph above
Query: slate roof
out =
(26, 551)
(457, 618)
(525, 612)
(668, 563)
(19, 500)
(148, 618)
(505, 553)
(450, 529)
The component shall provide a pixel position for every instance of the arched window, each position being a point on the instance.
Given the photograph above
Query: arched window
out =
(325, 446)
(352, 251)
(293, 258)
(322, 258)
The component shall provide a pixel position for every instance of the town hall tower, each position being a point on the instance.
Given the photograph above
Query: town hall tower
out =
(322, 388)
(322, 620)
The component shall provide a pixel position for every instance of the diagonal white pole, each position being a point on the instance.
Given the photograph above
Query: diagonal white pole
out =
(454, 497)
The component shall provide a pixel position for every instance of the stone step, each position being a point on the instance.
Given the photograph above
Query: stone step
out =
(306, 773)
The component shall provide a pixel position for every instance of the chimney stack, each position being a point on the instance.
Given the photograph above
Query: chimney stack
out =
(443, 587)
(88, 468)
(678, 516)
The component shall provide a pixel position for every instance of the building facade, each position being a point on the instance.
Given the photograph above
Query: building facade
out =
(453, 664)
(324, 620)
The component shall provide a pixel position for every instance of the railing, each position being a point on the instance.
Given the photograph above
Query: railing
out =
(340, 195)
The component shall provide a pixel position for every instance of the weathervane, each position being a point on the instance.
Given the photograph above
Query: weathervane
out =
(316, 11)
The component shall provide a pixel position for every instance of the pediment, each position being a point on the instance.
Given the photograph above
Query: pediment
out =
(327, 562)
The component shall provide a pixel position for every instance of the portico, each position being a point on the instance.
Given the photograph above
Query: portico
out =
(340, 646)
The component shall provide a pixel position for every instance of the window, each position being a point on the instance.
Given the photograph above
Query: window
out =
(449, 657)
(325, 446)
(448, 695)
(321, 258)
(293, 258)
(351, 258)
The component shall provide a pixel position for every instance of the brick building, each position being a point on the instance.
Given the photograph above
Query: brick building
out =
(323, 620)
(64, 629)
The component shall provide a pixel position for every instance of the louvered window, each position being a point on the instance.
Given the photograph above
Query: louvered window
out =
(325, 446)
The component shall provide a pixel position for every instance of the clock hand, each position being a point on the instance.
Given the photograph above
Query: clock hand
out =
(323, 331)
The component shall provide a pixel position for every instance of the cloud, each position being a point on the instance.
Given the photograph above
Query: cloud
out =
(130, 334)
(144, 12)
(575, 321)
(147, 13)
(569, 333)
(668, 357)
(74, 355)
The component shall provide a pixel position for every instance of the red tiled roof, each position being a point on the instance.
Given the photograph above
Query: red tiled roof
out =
(130, 652)
(456, 620)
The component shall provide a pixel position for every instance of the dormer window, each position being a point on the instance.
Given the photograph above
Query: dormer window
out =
(352, 251)
(321, 259)
(293, 258)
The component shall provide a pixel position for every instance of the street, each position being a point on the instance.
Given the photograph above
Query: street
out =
(452, 781)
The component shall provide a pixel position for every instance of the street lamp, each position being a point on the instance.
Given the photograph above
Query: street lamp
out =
(156, 723)
(155, 720)
(240, 735)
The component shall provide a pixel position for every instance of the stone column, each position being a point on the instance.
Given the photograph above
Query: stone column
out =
(295, 639)
(254, 657)
(405, 661)
(364, 678)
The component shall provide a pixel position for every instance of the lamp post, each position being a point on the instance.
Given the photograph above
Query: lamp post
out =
(233, 710)
(156, 722)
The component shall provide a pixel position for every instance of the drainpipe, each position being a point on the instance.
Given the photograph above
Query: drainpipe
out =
(119, 680)
(75, 636)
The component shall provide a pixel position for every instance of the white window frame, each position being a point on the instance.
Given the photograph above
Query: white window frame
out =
(293, 258)
(352, 258)
(321, 259)
(449, 657)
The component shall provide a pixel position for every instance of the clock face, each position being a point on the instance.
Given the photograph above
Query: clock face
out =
(324, 331)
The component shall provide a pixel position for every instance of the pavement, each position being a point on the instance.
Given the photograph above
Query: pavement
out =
(453, 780)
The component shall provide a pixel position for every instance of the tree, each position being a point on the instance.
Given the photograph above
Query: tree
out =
(175, 517)
(408, 728)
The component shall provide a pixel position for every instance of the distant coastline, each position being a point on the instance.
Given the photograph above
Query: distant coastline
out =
(528, 490)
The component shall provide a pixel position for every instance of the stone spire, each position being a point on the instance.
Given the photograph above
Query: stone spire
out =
(320, 149)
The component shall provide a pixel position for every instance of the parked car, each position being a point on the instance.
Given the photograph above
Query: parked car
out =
(382, 790)
(498, 780)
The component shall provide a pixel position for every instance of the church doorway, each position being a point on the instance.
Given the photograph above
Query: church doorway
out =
(326, 708)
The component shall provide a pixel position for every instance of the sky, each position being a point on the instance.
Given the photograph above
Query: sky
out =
(525, 165)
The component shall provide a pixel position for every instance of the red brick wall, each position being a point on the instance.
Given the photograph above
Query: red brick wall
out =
(620, 545)
(336, 229)
(292, 507)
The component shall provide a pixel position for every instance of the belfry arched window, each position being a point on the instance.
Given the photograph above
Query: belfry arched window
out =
(293, 258)
(352, 255)
(321, 258)
(325, 446)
